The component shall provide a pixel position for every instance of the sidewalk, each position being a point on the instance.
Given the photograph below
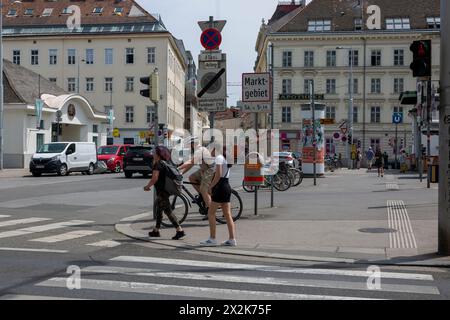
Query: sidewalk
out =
(350, 217)
(14, 173)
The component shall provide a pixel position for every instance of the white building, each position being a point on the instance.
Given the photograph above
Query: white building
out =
(23, 135)
(117, 43)
(315, 42)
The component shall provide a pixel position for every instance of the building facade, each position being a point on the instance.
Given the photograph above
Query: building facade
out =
(328, 41)
(102, 59)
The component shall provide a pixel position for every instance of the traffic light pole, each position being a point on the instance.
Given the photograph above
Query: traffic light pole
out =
(429, 134)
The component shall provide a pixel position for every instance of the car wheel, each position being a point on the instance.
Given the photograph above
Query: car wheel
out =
(36, 174)
(91, 170)
(62, 171)
(128, 174)
(117, 168)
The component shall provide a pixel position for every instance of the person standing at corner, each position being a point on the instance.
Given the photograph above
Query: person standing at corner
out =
(379, 162)
(370, 155)
(221, 195)
(162, 155)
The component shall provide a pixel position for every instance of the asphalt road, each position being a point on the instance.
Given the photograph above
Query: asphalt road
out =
(52, 223)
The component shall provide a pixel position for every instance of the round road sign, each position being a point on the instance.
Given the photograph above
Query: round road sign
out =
(211, 39)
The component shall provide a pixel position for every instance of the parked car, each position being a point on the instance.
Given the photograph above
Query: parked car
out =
(112, 156)
(287, 157)
(63, 158)
(138, 159)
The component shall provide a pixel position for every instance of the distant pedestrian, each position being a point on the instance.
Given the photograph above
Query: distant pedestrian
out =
(370, 155)
(386, 160)
(160, 160)
(379, 162)
(358, 159)
(220, 191)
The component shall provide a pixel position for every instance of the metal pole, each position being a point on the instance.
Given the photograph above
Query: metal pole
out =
(364, 79)
(396, 145)
(429, 133)
(256, 187)
(1, 88)
(313, 110)
(444, 134)
(272, 115)
(350, 111)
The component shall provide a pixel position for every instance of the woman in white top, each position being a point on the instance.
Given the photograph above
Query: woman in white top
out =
(221, 194)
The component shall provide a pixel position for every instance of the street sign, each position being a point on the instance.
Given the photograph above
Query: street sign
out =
(397, 118)
(212, 105)
(253, 175)
(256, 87)
(211, 39)
(327, 121)
(217, 24)
(210, 56)
(304, 96)
(116, 133)
(254, 107)
(215, 90)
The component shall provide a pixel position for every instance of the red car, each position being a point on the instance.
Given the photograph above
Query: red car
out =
(112, 156)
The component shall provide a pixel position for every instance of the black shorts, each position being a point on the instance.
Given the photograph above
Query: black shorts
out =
(221, 193)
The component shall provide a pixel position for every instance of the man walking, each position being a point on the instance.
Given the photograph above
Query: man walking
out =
(370, 155)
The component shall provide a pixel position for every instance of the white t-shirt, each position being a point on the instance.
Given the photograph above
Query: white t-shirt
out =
(221, 161)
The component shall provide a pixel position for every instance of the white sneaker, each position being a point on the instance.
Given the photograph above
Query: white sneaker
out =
(230, 243)
(209, 242)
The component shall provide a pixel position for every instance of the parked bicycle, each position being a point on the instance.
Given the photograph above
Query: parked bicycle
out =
(294, 174)
(182, 204)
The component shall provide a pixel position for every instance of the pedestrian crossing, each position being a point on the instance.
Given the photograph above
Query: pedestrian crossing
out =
(162, 278)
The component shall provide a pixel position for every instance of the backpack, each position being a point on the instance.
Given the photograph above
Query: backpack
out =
(174, 179)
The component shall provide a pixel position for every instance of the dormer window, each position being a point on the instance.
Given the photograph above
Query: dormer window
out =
(118, 11)
(12, 13)
(398, 24)
(319, 25)
(66, 11)
(28, 12)
(434, 22)
(97, 10)
(47, 12)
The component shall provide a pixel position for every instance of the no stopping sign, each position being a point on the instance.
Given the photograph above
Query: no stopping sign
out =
(211, 39)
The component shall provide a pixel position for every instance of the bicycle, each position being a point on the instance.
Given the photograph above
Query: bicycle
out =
(181, 204)
(295, 175)
(281, 182)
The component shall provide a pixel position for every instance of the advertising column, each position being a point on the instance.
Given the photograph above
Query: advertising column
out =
(308, 141)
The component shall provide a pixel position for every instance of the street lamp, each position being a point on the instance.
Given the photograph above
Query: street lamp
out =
(350, 107)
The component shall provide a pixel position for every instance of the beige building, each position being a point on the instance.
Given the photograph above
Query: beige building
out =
(315, 42)
(116, 43)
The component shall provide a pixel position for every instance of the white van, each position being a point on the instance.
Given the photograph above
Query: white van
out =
(64, 157)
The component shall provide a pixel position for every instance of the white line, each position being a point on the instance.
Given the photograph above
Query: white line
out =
(22, 221)
(312, 283)
(137, 217)
(30, 297)
(105, 244)
(33, 250)
(47, 227)
(186, 291)
(398, 219)
(4, 216)
(67, 236)
(236, 266)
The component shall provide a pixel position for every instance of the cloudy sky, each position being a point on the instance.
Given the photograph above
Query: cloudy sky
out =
(239, 36)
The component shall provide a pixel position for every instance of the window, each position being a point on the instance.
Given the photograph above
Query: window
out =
(109, 56)
(375, 86)
(129, 55)
(355, 86)
(398, 110)
(306, 84)
(355, 58)
(47, 12)
(129, 86)
(108, 84)
(355, 114)
(330, 112)
(286, 115)
(398, 24)
(399, 85)
(28, 12)
(16, 57)
(331, 86)
(287, 86)
(434, 22)
(129, 114)
(34, 57)
(150, 114)
(287, 59)
(331, 58)
(118, 10)
(358, 23)
(319, 25)
(89, 84)
(66, 10)
(309, 58)
(375, 143)
(71, 56)
(330, 148)
(89, 56)
(72, 148)
(97, 10)
(52, 80)
(376, 58)
(71, 85)
(151, 55)
(399, 57)
(375, 114)
(12, 13)
(53, 56)
(39, 140)
(95, 128)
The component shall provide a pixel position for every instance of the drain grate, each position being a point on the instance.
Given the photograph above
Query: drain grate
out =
(377, 230)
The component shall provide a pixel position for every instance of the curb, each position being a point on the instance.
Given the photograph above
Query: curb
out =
(124, 228)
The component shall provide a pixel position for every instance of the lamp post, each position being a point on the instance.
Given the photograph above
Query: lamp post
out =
(350, 107)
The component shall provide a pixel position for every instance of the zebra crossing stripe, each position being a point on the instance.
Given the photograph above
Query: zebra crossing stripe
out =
(275, 269)
(31, 297)
(67, 236)
(22, 221)
(33, 250)
(4, 216)
(311, 283)
(105, 244)
(187, 291)
(43, 228)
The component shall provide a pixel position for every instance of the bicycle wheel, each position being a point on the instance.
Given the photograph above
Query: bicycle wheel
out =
(281, 182)
(298, 177)
(180, 209)
(249, 189)
(236, 208)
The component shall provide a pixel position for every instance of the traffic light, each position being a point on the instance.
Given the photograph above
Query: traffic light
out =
(146, 81)
(152, 92)
(421, 65)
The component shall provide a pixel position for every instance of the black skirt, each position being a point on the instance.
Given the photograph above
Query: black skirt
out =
(221, 193)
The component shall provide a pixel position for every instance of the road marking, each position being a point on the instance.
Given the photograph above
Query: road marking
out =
(392, 187)
(67, 236)
(312, 283)
(47, 227)
(398, 219)
(30, 297)
(187, 291)
(105, 244)
(4, 216)
(137, 217)
(33, 250)
(277, 269)
(22, 221)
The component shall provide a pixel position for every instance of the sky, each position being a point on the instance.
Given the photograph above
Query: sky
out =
(239, 35)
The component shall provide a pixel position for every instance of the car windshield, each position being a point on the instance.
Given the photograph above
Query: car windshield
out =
(107, 150)
(52, 148)
(282, 154)
(140, 150)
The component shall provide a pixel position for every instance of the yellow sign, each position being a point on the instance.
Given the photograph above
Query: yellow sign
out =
(116, 133)
(327, 121)
(142, 134)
